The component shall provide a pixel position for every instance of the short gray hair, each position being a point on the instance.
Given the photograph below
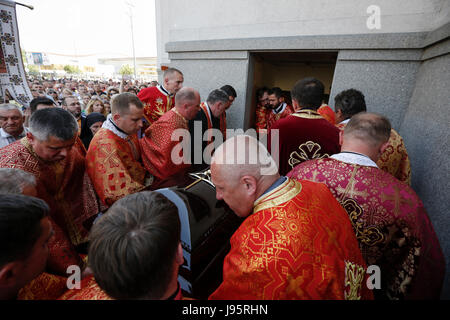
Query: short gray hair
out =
(10, 106)
(14, 180)
(55, 122)
(217, 95)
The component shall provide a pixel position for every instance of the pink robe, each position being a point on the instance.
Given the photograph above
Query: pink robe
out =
(391, 225)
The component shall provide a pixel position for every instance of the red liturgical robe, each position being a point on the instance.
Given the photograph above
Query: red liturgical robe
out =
(274, 117)
(114, 165)
(44, 287)
(156, 103)
(297, 244)
(391, 225)
(157, 146)
(68, 191)
(304, 135)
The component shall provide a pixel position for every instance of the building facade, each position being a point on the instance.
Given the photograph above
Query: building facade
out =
(395, 52)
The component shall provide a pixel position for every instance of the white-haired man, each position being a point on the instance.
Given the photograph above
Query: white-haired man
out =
(296, 241)
(11, 123)
(61, 180)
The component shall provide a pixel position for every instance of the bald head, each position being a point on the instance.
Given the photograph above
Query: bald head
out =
(370, 128)
(366, 133)
(242, 169)
(244, 154)
(187, 102)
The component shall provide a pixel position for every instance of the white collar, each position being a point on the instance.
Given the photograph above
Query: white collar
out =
(5, 134)
(354, 158)
(282, 108)
(163, 90)
(345, 121)
(108, 124)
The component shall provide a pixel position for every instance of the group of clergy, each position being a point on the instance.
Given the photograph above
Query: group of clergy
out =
(335, 200)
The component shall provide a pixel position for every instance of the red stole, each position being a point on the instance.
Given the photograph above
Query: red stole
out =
(391, 225)
(223, 122)
(114, 166)
(297, 244)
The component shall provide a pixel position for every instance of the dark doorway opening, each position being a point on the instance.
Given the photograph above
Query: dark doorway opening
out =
(283, 69)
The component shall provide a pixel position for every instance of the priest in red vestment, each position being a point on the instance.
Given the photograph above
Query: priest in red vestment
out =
(201, 129)
(262, 109)
(164, 154)
(390, 222)
(296, 241)
(158, 100)
(394, 159)
(114, 156)
(61, 180)
(305, 134)
(278, 108)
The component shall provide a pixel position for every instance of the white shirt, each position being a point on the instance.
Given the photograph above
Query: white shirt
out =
(108, 124)
(6, 138)
(354, 158)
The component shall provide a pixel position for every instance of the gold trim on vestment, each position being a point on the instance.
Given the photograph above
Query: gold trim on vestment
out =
(176, 112)
(307, 114)
(281, 194)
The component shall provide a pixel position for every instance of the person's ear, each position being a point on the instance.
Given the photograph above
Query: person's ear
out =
(179, 256)
(116, 117)
(295, 105)
(8, 274)
(30, 136)
(250, 184)
(341, 137)
(383, 147)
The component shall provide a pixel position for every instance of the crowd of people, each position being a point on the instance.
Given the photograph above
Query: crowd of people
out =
(328, 198)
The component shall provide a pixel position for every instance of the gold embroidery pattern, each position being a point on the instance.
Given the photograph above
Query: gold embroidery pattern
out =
(308, 151)
(278, 195)
(354, 276)
(370, 236)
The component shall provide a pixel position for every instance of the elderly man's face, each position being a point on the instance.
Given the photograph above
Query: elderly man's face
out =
(52, 149)
(11, 121)
(232, 192)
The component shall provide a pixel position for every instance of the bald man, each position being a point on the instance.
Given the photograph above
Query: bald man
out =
(390, 222)
(161, 154)
(296, 241)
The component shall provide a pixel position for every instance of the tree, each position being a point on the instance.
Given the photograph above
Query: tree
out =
(126, 69)
(33, 70)
(72, 69)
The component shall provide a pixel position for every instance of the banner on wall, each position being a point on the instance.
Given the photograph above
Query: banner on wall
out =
(12, 74)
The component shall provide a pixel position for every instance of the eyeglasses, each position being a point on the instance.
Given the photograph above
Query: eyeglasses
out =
(74, 104)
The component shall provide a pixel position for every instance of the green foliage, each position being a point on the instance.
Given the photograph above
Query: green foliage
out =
(72, 69)
(126, 70)
(33, 70)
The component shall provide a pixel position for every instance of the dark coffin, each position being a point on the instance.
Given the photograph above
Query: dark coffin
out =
(206, 228)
